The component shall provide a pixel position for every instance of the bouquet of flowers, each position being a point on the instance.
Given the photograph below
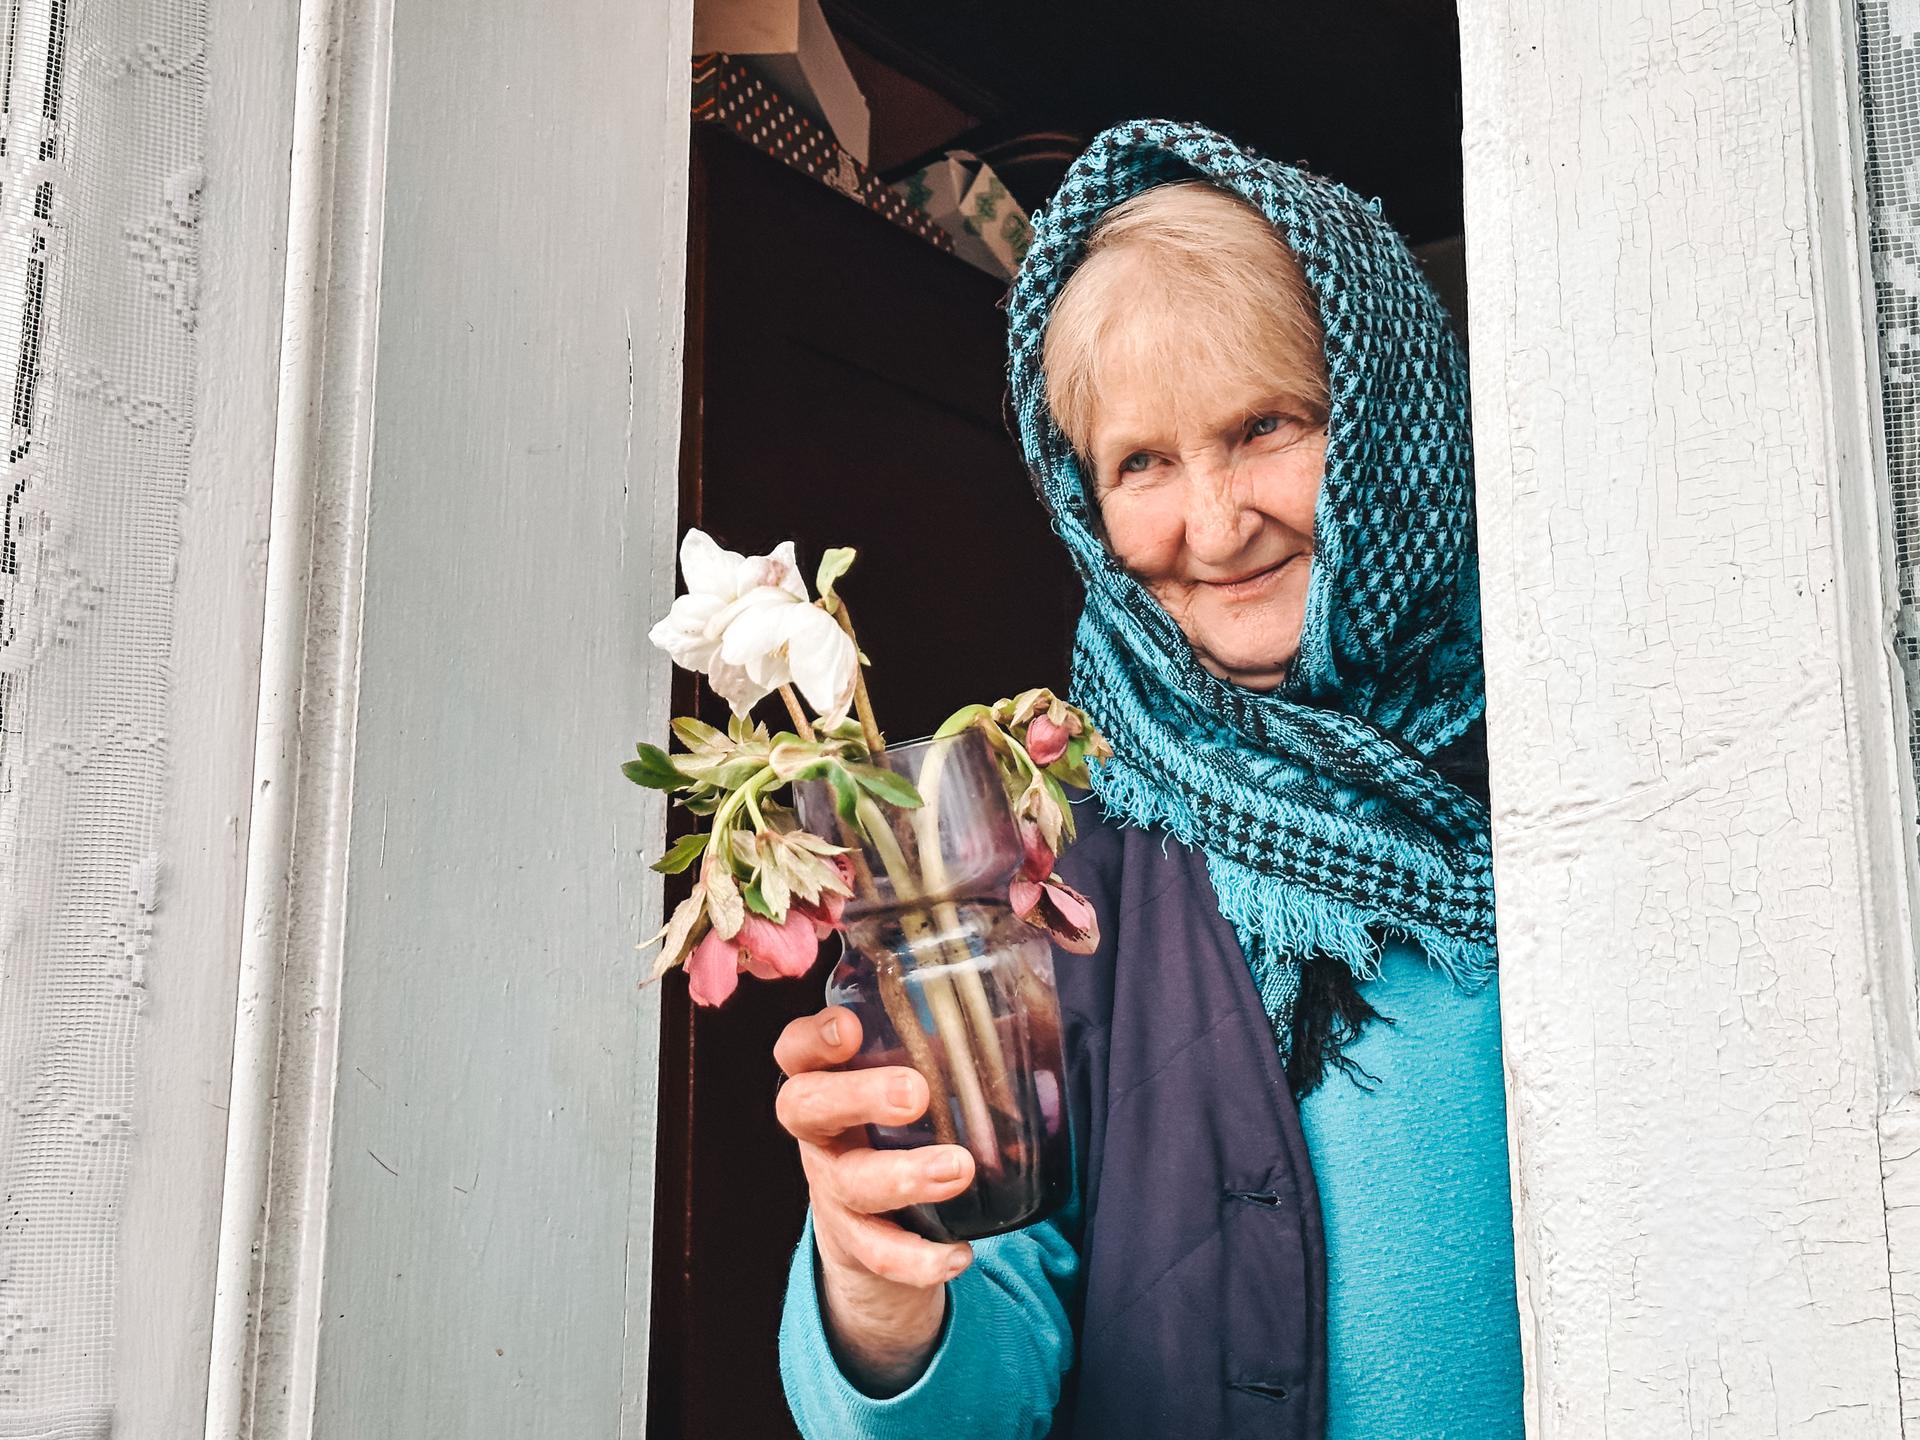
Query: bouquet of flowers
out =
(768, 891)
(937, 857)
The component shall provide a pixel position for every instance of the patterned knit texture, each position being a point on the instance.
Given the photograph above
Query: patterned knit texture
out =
(1324, 826)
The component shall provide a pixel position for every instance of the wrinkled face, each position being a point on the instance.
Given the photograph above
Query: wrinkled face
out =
(1209, 504)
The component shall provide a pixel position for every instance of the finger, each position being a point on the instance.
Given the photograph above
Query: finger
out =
(883, 1248)
(820, 1105)
(873, 1182)
(817, 1042)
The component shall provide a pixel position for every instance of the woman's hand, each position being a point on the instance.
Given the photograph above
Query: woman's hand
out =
(883, 1290)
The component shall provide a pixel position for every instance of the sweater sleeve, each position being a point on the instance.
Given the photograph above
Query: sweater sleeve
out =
(996, 1371)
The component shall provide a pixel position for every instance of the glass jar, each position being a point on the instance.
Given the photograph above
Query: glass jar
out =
(946, 979)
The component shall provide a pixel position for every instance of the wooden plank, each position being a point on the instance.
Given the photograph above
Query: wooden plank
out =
(489, 1207)
(1706, 975)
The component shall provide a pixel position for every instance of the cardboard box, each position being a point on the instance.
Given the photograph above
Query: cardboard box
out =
(726, 93)
(789, 45)
(963, 196)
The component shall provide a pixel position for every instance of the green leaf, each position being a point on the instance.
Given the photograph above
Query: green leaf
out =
(688, 923)
(810, 843)
(773, 885)
(833, 565)
(893, 788)
(723, 899)
(846, 794)
(963, 718)
(654, 770)
(793, 760)
(808, 875)
(1066, 825)
(735, 773)
(1055, 789)
(697, 734)
(1068, 773)
(684, 852)
(1071, 767)
(1027, 704)
(757, 903)
(1002, 745)
(698, 765)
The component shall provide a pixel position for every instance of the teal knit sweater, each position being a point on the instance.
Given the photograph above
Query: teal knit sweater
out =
(1423, 1334)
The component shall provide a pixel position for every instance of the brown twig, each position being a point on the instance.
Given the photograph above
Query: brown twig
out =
(948, 1021)
(795, 713)
(862, 704)
(972, 994)
(965, 979)
(890, 979)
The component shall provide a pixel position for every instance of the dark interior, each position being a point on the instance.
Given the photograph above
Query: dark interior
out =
(1366, 91)
(845, 385)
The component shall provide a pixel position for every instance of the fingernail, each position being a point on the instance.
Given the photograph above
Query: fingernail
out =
(830, 1032)
(944, 1167)
(900, 1092)
(957, 1264)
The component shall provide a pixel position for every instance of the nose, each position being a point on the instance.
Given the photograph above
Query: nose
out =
(1221, 518)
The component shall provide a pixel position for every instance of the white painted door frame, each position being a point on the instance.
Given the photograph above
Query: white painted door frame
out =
(1704, 897)
(436, 1203)
(1701, 811)
(171, 1208)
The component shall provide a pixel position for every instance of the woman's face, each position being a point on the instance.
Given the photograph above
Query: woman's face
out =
(1212, 510)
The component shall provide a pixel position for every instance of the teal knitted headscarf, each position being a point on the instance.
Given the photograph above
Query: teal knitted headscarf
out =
(1324, 825)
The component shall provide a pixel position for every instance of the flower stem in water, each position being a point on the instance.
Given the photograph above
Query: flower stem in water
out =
(899, 1007)
(947, 1018)
(966, 978)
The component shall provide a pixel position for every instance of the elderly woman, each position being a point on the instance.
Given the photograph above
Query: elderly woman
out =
(1248, 416)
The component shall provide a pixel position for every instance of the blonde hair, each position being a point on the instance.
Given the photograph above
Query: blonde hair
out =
(1191, 289)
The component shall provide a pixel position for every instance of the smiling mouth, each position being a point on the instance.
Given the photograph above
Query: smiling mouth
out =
(1249, 587)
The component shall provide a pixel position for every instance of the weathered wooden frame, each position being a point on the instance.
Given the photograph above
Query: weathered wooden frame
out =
(1712, 1060)
(1701, 806)
(439, 457)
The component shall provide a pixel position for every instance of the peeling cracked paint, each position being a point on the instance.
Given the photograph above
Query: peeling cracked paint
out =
(1657, 229)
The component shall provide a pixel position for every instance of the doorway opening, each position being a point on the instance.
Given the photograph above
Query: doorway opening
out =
(845, 385)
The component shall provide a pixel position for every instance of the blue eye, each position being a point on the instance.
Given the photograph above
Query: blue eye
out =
(1265, 425)
(1135, 463)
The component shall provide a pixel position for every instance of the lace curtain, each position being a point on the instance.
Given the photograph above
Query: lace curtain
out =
(100, 185)
(1890, 88)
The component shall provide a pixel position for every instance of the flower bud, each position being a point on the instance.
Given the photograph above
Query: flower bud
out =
(1046, 740)
(1036, 856)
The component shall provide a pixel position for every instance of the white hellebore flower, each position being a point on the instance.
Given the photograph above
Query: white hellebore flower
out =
(747, 624)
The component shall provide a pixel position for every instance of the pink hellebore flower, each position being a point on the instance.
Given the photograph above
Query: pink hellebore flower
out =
(1048, 903)
(764, 949)
(825, 912)
(1057, 908)
(1036, 856)
(1046, 741)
